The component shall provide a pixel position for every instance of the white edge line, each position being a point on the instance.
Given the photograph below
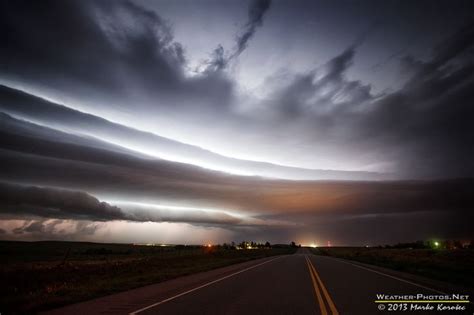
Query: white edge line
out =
(393, 277)
(200, 287)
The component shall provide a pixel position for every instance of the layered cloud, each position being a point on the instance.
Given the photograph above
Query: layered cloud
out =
(18, 201)
(34, 113)
(54, 203)
(121, 62)
(102, 121)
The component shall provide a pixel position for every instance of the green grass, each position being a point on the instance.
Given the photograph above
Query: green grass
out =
(452, 266)
(42, 275)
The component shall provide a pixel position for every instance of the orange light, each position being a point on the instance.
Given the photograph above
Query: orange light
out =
(209, 245)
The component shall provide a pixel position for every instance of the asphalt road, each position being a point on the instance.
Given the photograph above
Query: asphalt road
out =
(295, 284)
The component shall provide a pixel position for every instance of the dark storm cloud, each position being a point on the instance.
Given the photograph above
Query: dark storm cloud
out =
(113, 54)
(119, 57)
(45, 228)
(424, 128)
(83, 39)
(54, 203)
(46, 113)
(35, 227)
(111, 173)
(219, 59)
(52, 229)
(429, 119)
(256, 12)
(17, 201)
(313, 206)
(33, 154)
(453, 46)
(324, 91)
(102, 53)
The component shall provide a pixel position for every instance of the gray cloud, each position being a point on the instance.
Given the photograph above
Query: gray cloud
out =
(279, 204)
(219, 59)
(104, 54)
(423, 129)
(18, 201)
(326, 112)
(324, 91)
(256, 12)
(122, 63)
(160, 182)
(53, 229)
(35, 227)
(94, 128)
(428, 118)
(54, 203)
(42, 49)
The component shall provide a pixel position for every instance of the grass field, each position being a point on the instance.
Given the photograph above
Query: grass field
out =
(452, 266)
(41, 275)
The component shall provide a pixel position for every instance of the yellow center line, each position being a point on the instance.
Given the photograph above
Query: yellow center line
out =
(326, 294)
(322, 306)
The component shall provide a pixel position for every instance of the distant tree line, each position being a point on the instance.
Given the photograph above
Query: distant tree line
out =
(434, 244)
(254, 245)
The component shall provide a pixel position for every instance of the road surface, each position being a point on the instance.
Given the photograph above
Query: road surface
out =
(294, 284)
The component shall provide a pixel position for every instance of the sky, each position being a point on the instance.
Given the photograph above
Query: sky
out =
(210, 121)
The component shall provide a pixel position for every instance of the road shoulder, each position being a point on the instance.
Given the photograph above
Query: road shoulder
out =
(128, 301)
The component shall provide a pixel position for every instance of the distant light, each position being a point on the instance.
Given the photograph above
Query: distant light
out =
(209, 245)
(436, 244)
(313, 245)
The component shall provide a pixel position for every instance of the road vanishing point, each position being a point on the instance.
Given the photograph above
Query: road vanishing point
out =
(301, 283)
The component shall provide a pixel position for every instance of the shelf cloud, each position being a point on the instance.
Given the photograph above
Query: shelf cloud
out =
(299, 120)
